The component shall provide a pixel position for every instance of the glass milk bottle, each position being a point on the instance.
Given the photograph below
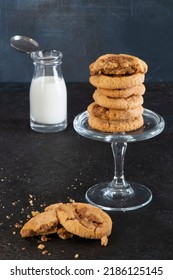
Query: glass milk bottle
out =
(48, 94)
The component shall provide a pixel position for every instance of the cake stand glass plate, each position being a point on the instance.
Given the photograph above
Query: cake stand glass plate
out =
(120, 195)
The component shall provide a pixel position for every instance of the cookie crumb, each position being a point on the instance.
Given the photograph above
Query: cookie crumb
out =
(44, 252)
(15, 202)
(63, 233)
(31, 202)
(41, 246)
(31, 199)
(44, 238)
(17, 225)
(76, 256)
(104, 241)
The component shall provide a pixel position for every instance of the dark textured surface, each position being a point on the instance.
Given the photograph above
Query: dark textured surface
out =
(60, 166)
(84, 30)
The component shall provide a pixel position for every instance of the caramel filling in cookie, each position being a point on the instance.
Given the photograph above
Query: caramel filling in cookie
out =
(41, 224)
(113, 114)
(85, 220)
(117, 64)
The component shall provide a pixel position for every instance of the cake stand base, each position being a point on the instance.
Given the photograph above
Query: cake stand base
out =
(100, 196)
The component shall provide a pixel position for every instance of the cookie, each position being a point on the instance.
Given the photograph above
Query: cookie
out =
(123, 93)
(116, 82)
(42, 224)
(85, 221)
(115, 126)
(118, 64)
(110, 114)
(118, 103)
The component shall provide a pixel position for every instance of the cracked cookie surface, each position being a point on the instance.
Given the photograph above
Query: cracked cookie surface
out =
(85, 220)
(68, 219)
(113, 114)
(118, 64)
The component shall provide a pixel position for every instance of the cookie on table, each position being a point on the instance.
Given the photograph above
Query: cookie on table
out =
(112, 114)
(117, 82)
(85, 220)
(117, 64)
(115, 126)
(123, 93)
(67, 219)
(118, 103)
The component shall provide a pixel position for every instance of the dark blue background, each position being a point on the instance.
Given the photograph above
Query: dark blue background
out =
(84, 30)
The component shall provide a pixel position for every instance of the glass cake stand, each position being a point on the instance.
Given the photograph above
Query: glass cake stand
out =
(120, 195)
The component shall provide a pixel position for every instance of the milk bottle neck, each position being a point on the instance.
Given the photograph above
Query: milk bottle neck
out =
(47, 63)
(42, 70)
(43, 57)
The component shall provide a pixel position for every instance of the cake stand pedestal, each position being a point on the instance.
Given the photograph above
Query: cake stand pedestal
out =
(119, 194)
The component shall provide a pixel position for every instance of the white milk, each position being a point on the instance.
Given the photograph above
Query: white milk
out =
(48, 100)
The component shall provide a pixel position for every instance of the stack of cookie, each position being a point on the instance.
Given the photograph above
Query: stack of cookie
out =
(118, 97)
